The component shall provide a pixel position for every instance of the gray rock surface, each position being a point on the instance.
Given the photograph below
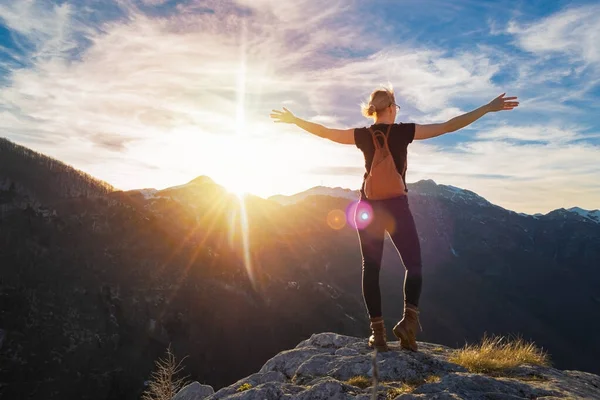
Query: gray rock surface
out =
(194, 391)
(321, 366)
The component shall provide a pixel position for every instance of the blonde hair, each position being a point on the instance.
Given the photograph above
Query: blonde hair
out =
(379, 100)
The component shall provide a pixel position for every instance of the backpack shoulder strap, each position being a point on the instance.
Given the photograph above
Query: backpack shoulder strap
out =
(375, 134)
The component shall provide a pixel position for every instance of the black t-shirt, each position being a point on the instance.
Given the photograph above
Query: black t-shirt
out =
(401, 135)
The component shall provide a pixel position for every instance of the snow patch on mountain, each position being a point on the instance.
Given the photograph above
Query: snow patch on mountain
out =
(428, 187)
(593, 215)
(463, 195)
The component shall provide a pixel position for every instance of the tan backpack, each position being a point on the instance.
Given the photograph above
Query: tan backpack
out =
(383, 181)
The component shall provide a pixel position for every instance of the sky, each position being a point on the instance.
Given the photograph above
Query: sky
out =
(153, 93)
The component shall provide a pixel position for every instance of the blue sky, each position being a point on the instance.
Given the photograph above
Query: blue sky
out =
(152, 93)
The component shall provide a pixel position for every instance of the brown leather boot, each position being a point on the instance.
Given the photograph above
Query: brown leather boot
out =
(406, 329)
(378, 338)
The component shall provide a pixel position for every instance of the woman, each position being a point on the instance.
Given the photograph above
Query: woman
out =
(392, 214)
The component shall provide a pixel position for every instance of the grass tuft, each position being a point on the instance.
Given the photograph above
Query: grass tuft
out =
(410, 385)
(395, 392)
(243, 387)
(433, 379)
(498, 354)
(359, 381)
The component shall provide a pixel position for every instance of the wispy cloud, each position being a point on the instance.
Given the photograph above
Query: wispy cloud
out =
(44, 30)
(574, 32)
(559, 59)
(551, 133)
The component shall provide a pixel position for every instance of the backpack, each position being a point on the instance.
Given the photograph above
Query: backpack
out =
(383, 181)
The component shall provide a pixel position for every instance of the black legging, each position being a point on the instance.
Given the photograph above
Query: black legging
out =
(373, 219)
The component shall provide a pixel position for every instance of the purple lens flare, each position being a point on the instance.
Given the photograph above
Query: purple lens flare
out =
(359, 214)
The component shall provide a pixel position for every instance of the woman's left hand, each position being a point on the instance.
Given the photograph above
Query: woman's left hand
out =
(284, 116)
(503, 103)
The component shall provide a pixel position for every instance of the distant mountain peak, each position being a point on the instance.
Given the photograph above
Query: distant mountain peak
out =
(195, 184)
(201, 180)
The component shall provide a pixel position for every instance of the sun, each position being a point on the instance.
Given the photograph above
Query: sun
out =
(238, 185)
(245, 170)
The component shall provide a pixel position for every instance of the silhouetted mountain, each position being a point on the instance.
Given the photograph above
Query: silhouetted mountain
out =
(94, 288)
(39, 179)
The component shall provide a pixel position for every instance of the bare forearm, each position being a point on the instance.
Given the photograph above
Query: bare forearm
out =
(314, 128)
(461, 121)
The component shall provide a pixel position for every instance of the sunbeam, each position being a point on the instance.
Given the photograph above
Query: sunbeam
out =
(240, 131)
(241, 87)
(246, 240)
(217, 206)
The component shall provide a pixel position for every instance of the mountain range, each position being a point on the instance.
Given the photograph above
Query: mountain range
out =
(448, 191)
(97, 282)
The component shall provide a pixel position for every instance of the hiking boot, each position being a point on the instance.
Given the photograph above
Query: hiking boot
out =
(406, 329)
(378, 338)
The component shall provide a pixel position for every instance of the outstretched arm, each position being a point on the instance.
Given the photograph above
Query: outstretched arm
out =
(432, 130)
(343, 136)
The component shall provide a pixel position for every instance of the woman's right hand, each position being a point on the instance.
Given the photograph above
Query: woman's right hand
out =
(284, 116)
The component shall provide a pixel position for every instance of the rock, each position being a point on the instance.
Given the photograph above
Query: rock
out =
(253, 380)
(481, 386)
(287, 362)
(321, 367)
(328, 389)
(194, 391)
(327, 340)
(265, 391)
(346, 352)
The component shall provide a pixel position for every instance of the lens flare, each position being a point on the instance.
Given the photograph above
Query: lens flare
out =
(336, 219)
(359, 214)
